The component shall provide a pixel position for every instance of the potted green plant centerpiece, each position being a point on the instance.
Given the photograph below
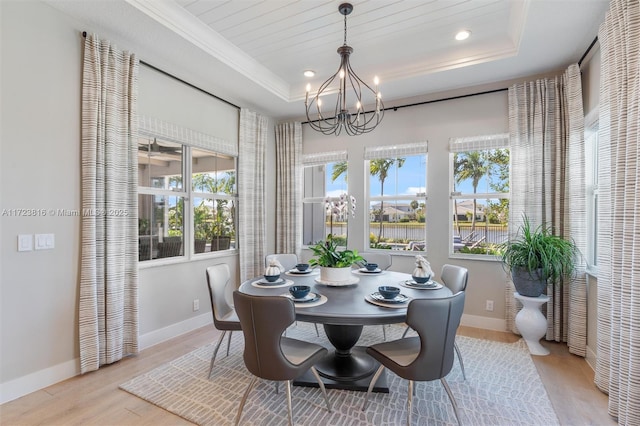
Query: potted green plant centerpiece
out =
(335, 265)
(536, 255)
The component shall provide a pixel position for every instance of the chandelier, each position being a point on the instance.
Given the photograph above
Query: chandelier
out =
(348, 114)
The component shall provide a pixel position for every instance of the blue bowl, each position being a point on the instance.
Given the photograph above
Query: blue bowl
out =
(371, 266)
(299, 291)
(421, 280)
(302, 267)
(388, 292)
(272, 278)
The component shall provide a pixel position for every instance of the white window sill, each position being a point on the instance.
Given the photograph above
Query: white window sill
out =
(481, 257)
(184, 259)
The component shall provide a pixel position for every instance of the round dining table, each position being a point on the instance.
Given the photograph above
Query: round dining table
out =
(343, 310)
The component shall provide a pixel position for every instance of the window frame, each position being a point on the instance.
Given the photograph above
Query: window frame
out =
(591, 138)
(468, 144)
(395, 152)
(153, 128)
(316, 160)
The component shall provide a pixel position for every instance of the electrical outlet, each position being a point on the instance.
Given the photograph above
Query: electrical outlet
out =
(489, 305)
(196, 305)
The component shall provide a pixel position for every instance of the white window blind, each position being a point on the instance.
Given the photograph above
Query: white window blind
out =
(476, 143)
(392, 151)
(154, 127)
(323, 158)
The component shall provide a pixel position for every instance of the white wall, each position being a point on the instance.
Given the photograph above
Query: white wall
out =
(436, 123)
(40, 169)
(41, 75)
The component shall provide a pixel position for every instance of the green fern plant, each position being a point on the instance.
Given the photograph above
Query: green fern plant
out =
(538, 251)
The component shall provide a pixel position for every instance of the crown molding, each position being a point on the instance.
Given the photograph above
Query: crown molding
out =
(177, 19)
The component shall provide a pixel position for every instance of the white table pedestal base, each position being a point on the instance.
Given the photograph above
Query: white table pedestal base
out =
(531, 323)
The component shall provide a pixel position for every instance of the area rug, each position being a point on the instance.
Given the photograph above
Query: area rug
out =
(502, 388)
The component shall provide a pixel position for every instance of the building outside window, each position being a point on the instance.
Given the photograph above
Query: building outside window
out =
(479, 180)
(169, 175)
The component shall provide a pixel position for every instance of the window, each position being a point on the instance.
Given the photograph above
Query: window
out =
(591, 151)
(325, 181)
(479, 182)
(397, 196)
(169, 175)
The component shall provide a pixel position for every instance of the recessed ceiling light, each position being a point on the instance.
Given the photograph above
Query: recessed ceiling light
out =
(309, 73)
(463, 35)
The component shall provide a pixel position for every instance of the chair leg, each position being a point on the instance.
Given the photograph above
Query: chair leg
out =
(229, 342)
(384, 333)
(244, 399)
(451, 398)
(455, 346)
(406, 330)
(317, 332)
(288, 382)
(371, 385)
(409, 402)
(324, 390)
(215, 352)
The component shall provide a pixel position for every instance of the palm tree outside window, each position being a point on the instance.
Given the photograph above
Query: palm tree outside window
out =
(479, 194)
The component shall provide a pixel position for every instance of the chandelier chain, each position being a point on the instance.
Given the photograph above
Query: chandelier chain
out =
(345, 30)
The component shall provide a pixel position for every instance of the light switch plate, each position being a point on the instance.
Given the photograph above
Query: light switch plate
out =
(45, 241)
(25, 242)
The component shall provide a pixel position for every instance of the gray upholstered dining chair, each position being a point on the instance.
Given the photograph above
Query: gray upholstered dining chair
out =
(427, 356)
(224, 315)
(455, 278)
(267, 353)
(382, 259)
(287, 260)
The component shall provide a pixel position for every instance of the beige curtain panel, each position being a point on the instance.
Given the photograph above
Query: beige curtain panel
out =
(618, 352)
(289, 188)
(251, 226)
(108, 303)
(546, 126)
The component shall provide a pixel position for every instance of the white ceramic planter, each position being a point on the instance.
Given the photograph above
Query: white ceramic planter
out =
(337, 275)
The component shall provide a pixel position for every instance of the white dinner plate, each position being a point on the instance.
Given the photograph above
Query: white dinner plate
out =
(429, 285)
(262, 283)
(310, 297)
(400, 298)
(366, 271)
(373, 301)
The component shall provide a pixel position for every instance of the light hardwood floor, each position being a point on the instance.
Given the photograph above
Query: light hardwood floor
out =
(94, 399)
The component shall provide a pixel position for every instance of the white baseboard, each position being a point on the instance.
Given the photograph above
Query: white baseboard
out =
(174, 330)
(24, 385)
(487, 323)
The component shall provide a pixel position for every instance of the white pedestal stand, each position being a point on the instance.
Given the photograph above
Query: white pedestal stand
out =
(531, 323)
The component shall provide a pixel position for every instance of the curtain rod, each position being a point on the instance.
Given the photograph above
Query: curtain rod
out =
(588, 50)
(397, 107)
(84, 34)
